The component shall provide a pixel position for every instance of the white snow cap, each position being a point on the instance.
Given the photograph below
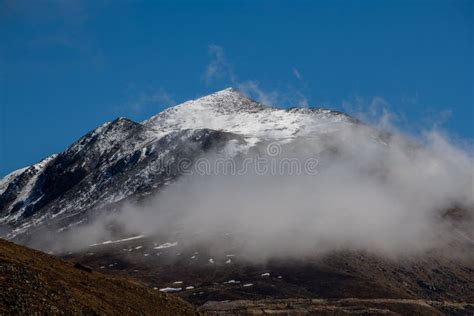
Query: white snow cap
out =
(231, 111)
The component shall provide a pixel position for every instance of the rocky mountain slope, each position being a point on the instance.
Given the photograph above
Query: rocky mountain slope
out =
(123, 159)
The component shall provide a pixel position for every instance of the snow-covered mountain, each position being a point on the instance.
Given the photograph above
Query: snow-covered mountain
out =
(122, 159)
(376, 193)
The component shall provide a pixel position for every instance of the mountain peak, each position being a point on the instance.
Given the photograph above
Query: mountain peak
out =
(230, 98)
(231, 92)
(229, 110)
(228, 90)
(224, 102)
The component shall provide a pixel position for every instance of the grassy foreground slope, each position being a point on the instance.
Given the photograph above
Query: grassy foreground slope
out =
(34, 282)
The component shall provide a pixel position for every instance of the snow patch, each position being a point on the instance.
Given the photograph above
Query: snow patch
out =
(117, 241)
(166, 245)
(170, 289)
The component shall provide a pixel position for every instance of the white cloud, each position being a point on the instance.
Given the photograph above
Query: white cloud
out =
(381, 195)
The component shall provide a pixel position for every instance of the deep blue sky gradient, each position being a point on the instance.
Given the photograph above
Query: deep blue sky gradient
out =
(68, 66)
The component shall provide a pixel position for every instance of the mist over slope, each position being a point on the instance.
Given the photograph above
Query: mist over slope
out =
(278, 183)
(386, 196)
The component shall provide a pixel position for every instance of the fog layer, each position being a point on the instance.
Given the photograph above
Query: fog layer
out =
(385, 194)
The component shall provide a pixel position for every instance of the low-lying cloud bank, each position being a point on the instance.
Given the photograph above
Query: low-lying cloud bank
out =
(382, 193)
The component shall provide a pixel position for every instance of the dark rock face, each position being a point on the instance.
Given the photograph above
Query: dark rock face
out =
(8, 198)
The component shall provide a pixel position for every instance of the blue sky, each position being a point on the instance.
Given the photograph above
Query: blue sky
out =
(68, 66)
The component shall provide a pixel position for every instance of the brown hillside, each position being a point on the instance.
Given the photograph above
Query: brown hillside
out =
(34, 282)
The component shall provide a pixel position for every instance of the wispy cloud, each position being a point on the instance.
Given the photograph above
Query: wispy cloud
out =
(297, 74)
(218, 68)
(148, 99)
(253, 90)
(375, 110)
